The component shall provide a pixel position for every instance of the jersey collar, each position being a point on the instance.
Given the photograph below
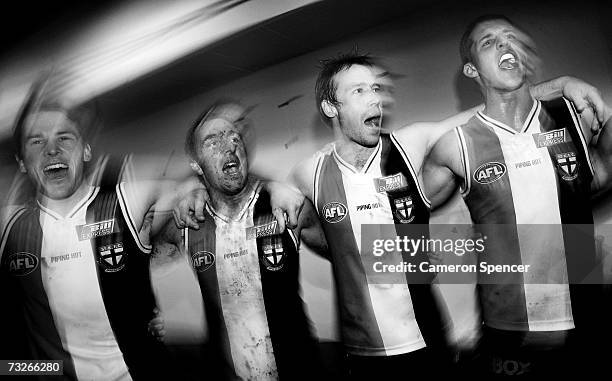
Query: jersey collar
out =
(84, 202)
(533, 113)
(350, 167)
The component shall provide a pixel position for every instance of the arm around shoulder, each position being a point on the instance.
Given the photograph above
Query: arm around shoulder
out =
(600, 151)
(310, 230)
(443, 169)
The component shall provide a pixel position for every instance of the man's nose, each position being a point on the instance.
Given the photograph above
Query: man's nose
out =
(502, 42)
(51, 148)
(230, 146)
(374, 98)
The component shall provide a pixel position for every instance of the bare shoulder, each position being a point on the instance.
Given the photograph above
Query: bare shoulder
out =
(425, 134)
(446, 150)
(302, 175)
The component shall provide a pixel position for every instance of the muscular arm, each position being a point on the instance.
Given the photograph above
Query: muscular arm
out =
(420, 137)
(310, 230)
(583, 95)
(443, 170)
(167, 243)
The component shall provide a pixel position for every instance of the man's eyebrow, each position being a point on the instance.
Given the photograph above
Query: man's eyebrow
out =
(484, 37)
(33, 136)
(64, 132)
(362, 84)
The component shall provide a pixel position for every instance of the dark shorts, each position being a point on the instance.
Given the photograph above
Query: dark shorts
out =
(425, 362)
(539, 355)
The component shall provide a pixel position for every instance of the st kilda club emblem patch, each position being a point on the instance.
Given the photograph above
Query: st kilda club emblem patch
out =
(568, 165)
(272, 253)
(112, 257)
(404, 209)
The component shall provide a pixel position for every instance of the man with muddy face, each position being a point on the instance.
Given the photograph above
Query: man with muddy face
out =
(247, 268)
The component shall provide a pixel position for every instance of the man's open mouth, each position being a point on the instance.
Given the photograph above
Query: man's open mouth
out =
(231, 166)
(508, 61)
(55, 170)
(373, 121)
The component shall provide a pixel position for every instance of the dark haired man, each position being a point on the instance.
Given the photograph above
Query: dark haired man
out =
(247, 268)
(526, 170)
(386, 328)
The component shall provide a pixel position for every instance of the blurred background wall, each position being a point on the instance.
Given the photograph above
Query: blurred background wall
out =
(271, 63)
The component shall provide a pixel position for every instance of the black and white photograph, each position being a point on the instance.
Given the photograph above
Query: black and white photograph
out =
(305, 190)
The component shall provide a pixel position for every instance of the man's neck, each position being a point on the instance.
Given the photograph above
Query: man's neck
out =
(353, 153)
(230, 206)
(510, 108)
(65, 205)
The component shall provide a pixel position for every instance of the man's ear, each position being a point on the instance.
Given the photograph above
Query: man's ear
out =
(469, 70)
(21, 165)
(329, 109)
(87, 153)
(196, 168)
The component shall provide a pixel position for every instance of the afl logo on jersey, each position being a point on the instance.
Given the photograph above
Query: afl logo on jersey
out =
(334, 212)
(21, 264)
(202, 261)
(489, 172)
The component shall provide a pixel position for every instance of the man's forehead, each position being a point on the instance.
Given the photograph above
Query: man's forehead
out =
(47, 121)
(491, 26)
(215, 126)
(355, 74)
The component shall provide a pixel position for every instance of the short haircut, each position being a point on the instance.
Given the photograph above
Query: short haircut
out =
(326, 86)
(84, 116)
(465, 46)
(216, 110)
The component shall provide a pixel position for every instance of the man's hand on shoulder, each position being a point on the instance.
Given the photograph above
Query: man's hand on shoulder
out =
(286, 202)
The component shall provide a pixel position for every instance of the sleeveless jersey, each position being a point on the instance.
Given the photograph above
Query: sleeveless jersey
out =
(80, 286)
(376, 319)
(521, 187)
(248, 275)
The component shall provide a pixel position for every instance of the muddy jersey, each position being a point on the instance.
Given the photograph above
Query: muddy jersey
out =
(248, 275)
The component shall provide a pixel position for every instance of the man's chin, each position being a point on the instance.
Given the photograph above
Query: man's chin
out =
(370, 141)
(234, 186)
(57, 191)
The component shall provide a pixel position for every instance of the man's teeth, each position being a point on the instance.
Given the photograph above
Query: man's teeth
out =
(230, 164)
(373, 121)
(55, 166)
(507, 57)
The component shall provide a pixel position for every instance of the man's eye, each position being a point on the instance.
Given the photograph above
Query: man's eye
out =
(376, 88)
(358, 90)
(486, 43)
(36, 141)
